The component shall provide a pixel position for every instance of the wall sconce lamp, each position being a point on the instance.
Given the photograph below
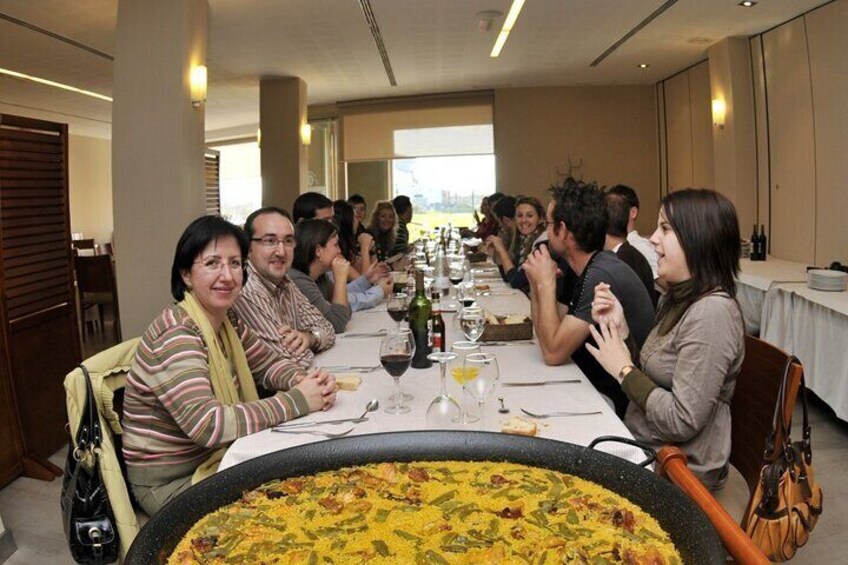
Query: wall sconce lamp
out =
(198, 85)
(719, 110)
(306, 134)
(258, 137)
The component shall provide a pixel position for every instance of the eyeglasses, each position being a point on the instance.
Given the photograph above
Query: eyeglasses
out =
(215, 265)
(274, 241)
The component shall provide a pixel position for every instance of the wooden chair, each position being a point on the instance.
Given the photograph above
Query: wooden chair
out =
(752, 412)
(96, 286)
(108, 373)
(753, 407)
(82, 245)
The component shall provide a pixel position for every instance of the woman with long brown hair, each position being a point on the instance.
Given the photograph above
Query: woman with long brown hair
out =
(681, 382)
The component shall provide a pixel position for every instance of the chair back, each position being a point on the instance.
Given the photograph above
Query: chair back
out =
(82, 244)
(96, 284)
(94, 273)
(754, 406)
(108, 373)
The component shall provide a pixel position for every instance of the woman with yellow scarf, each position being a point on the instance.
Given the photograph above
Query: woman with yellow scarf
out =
(192, 387)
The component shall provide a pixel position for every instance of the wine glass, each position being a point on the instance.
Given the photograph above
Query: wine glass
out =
(396, 350)
(459, 374)
(472, 320)
(397, 307)
(443, 409)
(482, 374)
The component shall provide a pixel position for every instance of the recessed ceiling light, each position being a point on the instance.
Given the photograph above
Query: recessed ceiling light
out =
(643, 65)
(747, 3)
(53, 83)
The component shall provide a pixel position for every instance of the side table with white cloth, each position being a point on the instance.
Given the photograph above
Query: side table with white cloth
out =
(755, 280)
(812, 325)
(517, 362)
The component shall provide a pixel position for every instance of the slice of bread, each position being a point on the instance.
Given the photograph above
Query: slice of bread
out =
(519, 426)
(348, 382)
(515, 319)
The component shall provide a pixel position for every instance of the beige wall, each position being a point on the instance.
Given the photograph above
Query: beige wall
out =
(688, 137)
(735, 145)
(90, 172)
(802, 94)
(612, 131)
(828, 43)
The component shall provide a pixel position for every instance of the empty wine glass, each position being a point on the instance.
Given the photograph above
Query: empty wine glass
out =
(472, 320)
(461, 376)
(397, 307)
(482, 374)
(443, 409)
(396, 350)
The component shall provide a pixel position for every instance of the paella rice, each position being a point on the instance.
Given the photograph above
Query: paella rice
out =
(427, 513)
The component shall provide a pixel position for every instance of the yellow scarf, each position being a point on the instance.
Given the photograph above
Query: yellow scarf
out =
(220, 371)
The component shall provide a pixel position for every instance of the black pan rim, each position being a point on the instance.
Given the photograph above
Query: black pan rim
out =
(687, 525)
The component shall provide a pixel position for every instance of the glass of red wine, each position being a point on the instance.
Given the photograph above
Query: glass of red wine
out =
(398, 307)
(396, 350)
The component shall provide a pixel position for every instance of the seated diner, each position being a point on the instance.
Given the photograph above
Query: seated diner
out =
(192, 387)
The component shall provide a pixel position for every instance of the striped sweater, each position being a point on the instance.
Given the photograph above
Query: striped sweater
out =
(172, 420)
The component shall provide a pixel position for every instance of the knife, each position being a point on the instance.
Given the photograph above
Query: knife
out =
(516, 342)
(351, 368)
(380, 333)
(318, 423)
(542, 383)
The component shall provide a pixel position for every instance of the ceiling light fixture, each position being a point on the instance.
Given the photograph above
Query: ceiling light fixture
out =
(511, 16)
(644, 65)
(747, 3)
(54, 84)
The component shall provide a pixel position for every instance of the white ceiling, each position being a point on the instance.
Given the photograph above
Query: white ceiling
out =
(433, 46)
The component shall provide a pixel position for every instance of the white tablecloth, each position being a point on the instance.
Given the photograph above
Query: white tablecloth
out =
(812, 325)
(756, 278)
(522, 362)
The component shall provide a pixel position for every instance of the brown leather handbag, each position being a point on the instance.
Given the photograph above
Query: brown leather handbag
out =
(788, 501)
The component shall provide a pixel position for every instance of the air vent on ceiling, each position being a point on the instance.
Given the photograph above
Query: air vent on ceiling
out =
(378, 39)
(656, 13)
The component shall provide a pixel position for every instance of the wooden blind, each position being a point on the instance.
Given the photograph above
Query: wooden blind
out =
(212, 174)
(34, 216)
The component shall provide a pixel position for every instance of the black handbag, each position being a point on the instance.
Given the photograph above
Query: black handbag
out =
(86, 513)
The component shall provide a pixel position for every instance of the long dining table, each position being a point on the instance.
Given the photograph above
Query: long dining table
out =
(517, 363)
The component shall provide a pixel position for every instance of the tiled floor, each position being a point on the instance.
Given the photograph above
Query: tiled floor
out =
(30, 508)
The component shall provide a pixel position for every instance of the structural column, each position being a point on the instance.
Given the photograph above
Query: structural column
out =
(284, 158)
(157, 147)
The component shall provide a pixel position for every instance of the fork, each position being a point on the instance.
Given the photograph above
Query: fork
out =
(558, 414)
(319, 433)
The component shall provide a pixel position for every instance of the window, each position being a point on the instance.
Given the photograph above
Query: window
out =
(241, 181)
(443, 190)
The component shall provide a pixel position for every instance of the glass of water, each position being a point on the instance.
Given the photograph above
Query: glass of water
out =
(472, 320)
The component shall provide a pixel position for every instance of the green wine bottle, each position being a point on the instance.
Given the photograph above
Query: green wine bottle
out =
(419, 316)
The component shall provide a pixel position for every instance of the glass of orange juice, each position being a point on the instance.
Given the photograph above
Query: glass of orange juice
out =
(464, 375)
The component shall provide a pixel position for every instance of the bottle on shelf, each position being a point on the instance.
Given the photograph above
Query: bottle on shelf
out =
(419, 321)
(437, 325)
(763, 243)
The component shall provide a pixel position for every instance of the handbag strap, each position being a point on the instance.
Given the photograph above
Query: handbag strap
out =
(780, 427)
(89, 433)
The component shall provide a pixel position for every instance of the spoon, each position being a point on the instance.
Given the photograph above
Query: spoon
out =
(372, 405)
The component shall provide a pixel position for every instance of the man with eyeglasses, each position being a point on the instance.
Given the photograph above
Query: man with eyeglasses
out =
(270, 303)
